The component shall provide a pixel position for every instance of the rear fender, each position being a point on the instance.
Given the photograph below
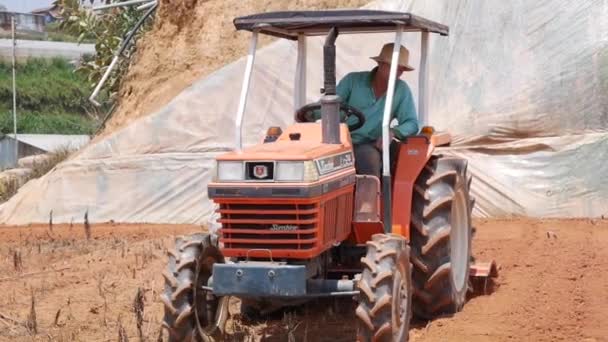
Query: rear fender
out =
(410, 158)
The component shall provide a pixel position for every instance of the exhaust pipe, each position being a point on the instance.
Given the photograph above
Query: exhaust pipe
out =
(330, 102)
(329, 62)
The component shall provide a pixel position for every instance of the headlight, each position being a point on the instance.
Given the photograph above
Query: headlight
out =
(296, 171)
(290, 171)
(230, 171)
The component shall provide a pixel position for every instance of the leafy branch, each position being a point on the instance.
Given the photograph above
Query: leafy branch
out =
(107, 29)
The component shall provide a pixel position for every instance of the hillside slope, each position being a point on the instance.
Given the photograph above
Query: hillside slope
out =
(190, 39)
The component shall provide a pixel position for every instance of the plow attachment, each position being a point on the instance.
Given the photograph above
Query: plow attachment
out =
(481, 277)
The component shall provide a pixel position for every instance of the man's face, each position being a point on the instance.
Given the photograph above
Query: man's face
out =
(384, 70)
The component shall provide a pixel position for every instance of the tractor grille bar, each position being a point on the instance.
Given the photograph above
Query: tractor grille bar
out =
(269, 226)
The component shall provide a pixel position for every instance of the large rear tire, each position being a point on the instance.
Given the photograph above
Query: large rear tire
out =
(441, 237)
(192, 314)
(384, 310)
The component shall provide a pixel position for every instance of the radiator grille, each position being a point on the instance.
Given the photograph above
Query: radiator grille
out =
(297, 229)
(269, 226)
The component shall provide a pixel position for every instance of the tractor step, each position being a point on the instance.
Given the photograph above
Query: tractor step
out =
(481, 275)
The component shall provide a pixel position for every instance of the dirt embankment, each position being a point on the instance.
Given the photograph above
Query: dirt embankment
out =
(191, 39)
(552, 287)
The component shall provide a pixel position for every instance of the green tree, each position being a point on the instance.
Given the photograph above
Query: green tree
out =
(107, 29)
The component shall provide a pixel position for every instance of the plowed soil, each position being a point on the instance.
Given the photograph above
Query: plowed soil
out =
(553, 286)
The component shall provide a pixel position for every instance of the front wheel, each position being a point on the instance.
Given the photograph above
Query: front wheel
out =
(191, 313)
(385, 297)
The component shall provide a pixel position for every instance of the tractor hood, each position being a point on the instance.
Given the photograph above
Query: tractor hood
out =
(296, 156)
(286, 150)
(301, 141)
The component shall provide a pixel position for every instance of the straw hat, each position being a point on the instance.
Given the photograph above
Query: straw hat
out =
(387, 53)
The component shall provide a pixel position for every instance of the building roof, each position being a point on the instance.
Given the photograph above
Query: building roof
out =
(52, 142)
(54, 11)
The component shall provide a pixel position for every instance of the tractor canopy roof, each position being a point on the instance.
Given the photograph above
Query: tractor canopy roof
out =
(289, 24)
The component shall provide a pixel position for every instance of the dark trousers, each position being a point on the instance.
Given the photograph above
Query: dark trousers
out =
(368, 160)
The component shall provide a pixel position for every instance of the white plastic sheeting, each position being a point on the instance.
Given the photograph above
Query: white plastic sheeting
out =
(521, 84)
(53, 142)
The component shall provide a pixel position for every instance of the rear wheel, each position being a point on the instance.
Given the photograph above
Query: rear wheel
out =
(441, 237)
(192, 314)
(384, 310)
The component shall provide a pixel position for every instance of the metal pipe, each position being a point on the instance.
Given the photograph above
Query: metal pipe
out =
(103, 80)
(330, 102)
(146, 6)
(332, 294)
(245, 90)
(423, 82)
(330, 119)
(118, 53)
(120, 4)
(131, 33)
(386, 120)
(329, 285)
(300, 82)
(329, 61)
(15, 91)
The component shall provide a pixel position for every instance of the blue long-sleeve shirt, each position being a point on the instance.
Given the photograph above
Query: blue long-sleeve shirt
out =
(356, 90)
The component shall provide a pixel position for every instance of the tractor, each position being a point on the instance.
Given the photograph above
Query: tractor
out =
(298, 222)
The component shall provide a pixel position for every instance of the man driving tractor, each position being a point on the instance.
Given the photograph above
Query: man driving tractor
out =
(366, 91)
(291, 213)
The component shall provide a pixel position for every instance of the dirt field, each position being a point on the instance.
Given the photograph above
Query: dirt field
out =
(552, 287)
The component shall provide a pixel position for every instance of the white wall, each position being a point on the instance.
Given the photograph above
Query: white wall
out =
(25, 6)
(43, 49)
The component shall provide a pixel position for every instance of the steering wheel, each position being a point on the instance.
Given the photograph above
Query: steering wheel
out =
(304, 114)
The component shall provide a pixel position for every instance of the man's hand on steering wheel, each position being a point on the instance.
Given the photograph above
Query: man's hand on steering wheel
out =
(305, 114)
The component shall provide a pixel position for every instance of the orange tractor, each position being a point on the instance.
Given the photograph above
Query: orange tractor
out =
(297, 222)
